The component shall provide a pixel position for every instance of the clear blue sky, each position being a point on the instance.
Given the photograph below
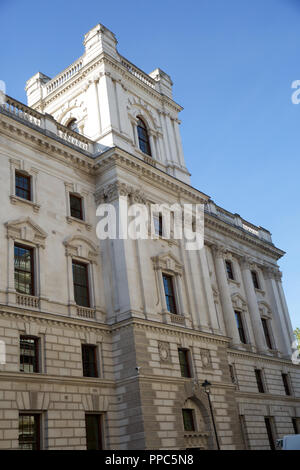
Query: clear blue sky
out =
(232, 63)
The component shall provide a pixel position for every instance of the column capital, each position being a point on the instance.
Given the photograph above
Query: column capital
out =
(246, 262)
(219, 251)
(272, 273)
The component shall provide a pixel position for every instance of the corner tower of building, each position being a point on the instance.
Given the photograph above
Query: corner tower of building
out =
(109, 100)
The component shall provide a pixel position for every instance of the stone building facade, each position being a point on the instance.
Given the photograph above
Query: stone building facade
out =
(99, 130)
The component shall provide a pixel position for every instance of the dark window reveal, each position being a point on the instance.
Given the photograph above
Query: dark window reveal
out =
(143, 137)
(24, 272)
(81, 284)
(93, 425)
(23, 186)
(29, 431)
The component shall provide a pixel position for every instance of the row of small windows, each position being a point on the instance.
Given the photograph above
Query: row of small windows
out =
(230, 274)
(23, 190)
(242, 332)
(260, 380)
(142, 132)
(24, 279)
(31, 431)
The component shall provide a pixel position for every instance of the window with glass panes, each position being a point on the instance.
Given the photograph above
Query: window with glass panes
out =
(29, 354)
(169, 293)
(89, 360)
(93, 426)
(76, 207)
(255, 279)
(183, 355)
(188, 419)
(24, 269)
(266, 332)
(295, 423)
(270, 431)
(144, 143)
(259, 380)
(286, 384)
(29, 431)
(229, 269)
(81, 284)
(158, 225)
(23, 186)
(240, 326)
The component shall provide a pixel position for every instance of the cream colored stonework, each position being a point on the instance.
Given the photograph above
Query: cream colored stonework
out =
(140, 391)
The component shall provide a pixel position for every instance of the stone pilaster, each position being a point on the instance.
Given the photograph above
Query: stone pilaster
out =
(229, 316)
(254, 313)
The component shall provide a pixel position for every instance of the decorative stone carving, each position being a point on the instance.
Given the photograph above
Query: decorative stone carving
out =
(27, 230)
(167, 262)
(164, 351)
(206, 358)
(81, 247)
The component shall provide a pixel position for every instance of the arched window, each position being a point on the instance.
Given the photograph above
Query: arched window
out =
(72, 125)
(143, 137)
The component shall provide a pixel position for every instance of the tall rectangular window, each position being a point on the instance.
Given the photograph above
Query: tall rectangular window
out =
(266, 332)
(259, 380)
(29, 431)
(29, 354)
(23, 186)
(188, 419)
(286, 384)
(232, 374)
(240, 326)
(24, 270)
(76, 206)
(158, 225)
(229, 269)
(184, 362)
(270, 431)
(295, 424)
(89, 360)
(93, 426)
(169, 293)
(81, 284)
(255, 279)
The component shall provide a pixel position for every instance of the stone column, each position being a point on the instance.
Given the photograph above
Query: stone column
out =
(213, 320)
(11, 292)
(278, 278)
(253, 306)
(228, 312)
(282, 337)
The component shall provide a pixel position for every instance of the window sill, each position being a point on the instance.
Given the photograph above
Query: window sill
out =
(16, 199)
(234, 282)
(71, 220)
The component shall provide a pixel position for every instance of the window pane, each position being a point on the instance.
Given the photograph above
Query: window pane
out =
(184, 363)
(268, 424)
(93, 432)
(81, 284)
(29, 354)
(89, 360)
(143, 137)
(188, 420)
(76, 207)
(259, 381)
(266, 332)
(229, 269)
(240, 326)
(23, 187)
(169, 294)
(255, 279)
(29, 431)
(286, 384)
(23, 261)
